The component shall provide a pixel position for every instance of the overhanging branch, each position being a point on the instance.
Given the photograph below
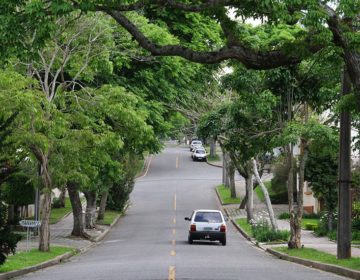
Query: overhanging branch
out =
(250, 58)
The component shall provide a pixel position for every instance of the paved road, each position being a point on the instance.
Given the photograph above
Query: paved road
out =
(150, 241)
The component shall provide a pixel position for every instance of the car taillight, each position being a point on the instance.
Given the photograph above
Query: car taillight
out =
(193, 228)
(222, 228)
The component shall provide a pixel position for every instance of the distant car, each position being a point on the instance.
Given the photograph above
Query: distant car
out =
(207, 225)
(199, 154)
(195, 144)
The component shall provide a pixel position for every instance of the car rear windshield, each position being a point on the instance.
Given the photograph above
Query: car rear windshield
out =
(196, 142)
(208, 217)
(200, 151)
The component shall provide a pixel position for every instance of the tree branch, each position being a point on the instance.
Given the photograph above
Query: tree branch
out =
(250, 58)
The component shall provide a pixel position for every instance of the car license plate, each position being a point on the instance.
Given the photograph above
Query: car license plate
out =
(207, 228)
(207, 236)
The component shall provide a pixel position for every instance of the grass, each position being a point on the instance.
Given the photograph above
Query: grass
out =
(25, 259)
(315, 255)
(109, 217)
(58, 213)
(259, 192)
(242, 222)
(226, 195)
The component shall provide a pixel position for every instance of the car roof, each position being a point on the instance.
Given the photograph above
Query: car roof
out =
(206, 210)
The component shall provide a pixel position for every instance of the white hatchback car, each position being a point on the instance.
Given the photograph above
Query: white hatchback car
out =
(199, 154)
(207, 225)
(195, 144)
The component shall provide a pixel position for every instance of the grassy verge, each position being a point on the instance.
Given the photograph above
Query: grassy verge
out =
(315, 255)
(226, 195)
(25, 259)
(259, 192)
(242, 222)
(109, 217)
(58, 213)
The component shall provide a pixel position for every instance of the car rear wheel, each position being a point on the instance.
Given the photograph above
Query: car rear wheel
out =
(223, 241)
(190, 240)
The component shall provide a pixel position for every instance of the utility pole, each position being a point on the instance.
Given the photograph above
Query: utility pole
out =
(344, 194)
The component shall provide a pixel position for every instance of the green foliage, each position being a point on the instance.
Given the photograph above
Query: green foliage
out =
(321, 169)
(19, 190)
(356, 215)
(56, 203)
(8, 240)
(284, 216)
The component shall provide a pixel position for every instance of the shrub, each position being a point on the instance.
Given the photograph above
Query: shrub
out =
(279, 198)
(323, 228)
(284, 216)
(264, 233)
(332, 235)
(311, 226)
(8, 240)
(356, 215)
(57, 203)
(355, 235)
(311, 216)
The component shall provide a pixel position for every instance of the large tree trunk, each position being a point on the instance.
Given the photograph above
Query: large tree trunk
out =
(90, 214)
(44, 237)
(231, 169)
(226, 165)
(295, 228)
(344, 217)
(62, 196)
(249, 193)
(102, 207)
(266, 195)
(78, 223)
(212, 147)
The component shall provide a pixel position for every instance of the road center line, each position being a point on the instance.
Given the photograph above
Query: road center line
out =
(174, 220)
(171, 273)
(175, 201)
(174, 231)
(173, 242)
(173, 253)
(177, 161)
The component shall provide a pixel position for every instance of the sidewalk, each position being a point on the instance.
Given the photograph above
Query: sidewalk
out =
(309, 240)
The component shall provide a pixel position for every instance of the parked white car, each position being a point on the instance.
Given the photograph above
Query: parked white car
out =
(195, 144)
(207, 225)
(199, 154)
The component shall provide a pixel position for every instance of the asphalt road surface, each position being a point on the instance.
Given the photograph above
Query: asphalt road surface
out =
(150, 242)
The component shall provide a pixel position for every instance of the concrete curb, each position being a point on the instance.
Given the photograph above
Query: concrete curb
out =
(322, 266)
(54, 261)
(213, 164)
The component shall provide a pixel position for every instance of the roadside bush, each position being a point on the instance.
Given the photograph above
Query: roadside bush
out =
(57, 203)
(284, 216)
(332, 235)
(356, 216)
(311, 226)
(279, 198)
(264, 233)
(8, 240)
(311, 216)
(323, 228)
(355, 235)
